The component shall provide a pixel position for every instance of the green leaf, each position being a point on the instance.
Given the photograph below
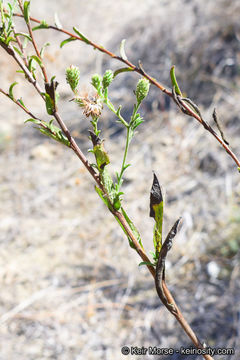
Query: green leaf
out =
(104, 199)
(25, 35)
(132, 227)
(102, 158)
(43, 48)
(174, 81)
(49, 104)
(156, 211)
(9, 39)
(11, 90)
(43, 25)
(18, 51)
(146, 263)
(35, 121)
(239, 169)
(26, 11)
(37, 59)
(131, 244)
(50, 130)
(21, 102)
(122, 50)
(121, 70)
(81, 35)
(126, 166)
(64, 42)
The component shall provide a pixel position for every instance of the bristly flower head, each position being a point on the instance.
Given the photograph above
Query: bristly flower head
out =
(92, 105)
(96, 81)
(107, 78)
(72, 77)
(142, 89)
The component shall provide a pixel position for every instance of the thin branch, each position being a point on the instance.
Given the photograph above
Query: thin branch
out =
(20, 47)
(19, 104)
(34, 43)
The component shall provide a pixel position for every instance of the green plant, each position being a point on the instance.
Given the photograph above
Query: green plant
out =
(109, 189)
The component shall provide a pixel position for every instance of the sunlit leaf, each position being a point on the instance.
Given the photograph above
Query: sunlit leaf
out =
(26, 8)
(81, 35)
(11, 90)
(42, 25)
(64, 42)
(174, 81)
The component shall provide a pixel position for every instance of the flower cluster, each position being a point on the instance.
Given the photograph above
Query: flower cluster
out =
(92, 106)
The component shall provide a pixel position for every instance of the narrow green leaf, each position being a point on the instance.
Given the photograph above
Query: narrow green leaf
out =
(104, 199)
(122, 50)
(36, 58)
(43, 48)
(64, 42)
(35, 121)
(26, 8)
(48, 103)
(24, 35)
(156, 211)
(174, 81)
(11, 90)
(132, 227)
(18, 51)
(146, 263)
(42, 25)
(121, 70)
(102, 158)
(9, 39)
(81, 35)
(21, 102)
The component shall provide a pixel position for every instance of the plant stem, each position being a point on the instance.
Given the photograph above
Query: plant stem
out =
(120, 180)
(117, 113)
(128, 140)
(34, 43)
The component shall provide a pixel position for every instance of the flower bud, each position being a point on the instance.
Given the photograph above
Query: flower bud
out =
(96, 81)
(142, 89)
(107, 78)
(72, 77)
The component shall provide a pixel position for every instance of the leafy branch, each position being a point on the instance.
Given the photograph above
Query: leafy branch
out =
(183, 105)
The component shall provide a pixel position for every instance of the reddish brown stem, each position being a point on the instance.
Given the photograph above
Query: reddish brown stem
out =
(34, 43)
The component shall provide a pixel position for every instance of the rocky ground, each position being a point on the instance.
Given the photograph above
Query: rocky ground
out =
(71, 288)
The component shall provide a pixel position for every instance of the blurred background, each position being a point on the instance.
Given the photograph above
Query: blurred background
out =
(71, 287)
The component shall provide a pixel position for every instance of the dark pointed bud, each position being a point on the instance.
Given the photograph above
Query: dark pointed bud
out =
(50, 89)
(95, 139)
(155, 195)
(100, 153)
